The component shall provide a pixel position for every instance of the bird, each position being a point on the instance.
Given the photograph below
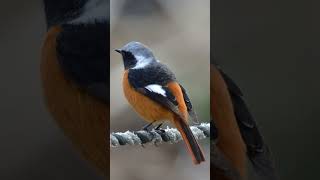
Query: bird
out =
(238, 137)
(74, 73)
(153, 91)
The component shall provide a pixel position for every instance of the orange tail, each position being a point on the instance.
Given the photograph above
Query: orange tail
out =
(191, 142)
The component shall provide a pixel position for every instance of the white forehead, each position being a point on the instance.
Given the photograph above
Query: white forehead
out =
(94, 10)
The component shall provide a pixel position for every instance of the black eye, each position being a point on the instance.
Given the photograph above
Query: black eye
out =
(128, 55)
(128, 59)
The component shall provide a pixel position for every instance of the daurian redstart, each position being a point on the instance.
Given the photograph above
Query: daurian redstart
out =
(154, 93)
(238, 136)
(75, 74)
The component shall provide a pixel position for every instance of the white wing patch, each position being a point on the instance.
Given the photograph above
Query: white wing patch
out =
(156, 89)
(94, 10)
(142, 62)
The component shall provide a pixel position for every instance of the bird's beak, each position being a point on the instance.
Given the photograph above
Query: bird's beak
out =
(118, 50)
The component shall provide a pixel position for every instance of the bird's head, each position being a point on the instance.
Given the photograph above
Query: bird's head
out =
(136, 55)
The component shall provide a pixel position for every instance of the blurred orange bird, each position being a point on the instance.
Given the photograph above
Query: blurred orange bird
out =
(238, 136)
(75, 74)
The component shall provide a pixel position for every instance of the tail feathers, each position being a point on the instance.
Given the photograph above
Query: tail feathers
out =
(191, 142)
(263, 165)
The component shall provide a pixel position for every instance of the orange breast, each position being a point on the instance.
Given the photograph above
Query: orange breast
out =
(149, 110)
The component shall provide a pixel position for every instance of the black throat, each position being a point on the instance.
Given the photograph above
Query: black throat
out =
(129, 61)
(83, 54)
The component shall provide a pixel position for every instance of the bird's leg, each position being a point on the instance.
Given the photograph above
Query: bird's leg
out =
(158, 130)
(159, 126)
(146, 127)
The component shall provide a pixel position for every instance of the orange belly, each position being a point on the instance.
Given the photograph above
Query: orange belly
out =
(148, 109)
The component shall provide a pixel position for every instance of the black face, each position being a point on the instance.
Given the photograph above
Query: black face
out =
(129, 60)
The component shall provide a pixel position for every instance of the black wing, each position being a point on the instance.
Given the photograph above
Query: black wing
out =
(83, 56)
(156, 73)
(258, 152)
(192, 113)
(159, 75)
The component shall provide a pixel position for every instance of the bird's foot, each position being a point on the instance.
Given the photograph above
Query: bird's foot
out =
(147, 127)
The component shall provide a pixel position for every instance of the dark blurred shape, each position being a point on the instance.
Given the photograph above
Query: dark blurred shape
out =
(142, 8)
(83, 55)
(59, 11)
(32, 146)
(257, 150)
(267, 48)
(75, 75)
(57, 160)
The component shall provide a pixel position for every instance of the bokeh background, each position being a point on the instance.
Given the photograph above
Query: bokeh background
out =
(268, 48)
(179, 35)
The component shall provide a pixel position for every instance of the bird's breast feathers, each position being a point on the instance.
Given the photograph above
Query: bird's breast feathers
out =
(150, 110)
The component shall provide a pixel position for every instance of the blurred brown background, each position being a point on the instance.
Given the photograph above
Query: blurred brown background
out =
(179, 35)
